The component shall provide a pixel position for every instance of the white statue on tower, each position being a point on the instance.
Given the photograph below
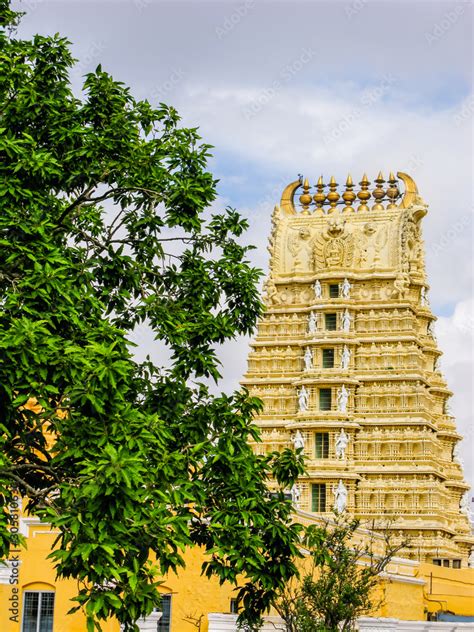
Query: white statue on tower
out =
(345, 357)
(295, 495)
(312, 323)
(464, 506)
(470, 561)
(318, 292)
(298, 440)
(457, 458)
(342, 399)
(345, 288)
(346, 321)
(342, 441)
(430, 330)
(423, 297)
(308, 359)
(303, 399)
(340, 497)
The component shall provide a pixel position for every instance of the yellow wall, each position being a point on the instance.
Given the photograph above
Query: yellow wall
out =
(192, 595)
(448, 589)
(404, 594)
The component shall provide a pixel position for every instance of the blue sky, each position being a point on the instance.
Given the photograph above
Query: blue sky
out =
(281, 88)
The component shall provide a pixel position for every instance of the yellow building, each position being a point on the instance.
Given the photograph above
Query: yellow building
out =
(344, 360)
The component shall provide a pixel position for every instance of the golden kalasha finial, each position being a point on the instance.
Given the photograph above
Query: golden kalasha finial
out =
(348, 196)
(305, 198)
(333, 195)
(392, 191)
(364, 193)
(320, 196)
(378, 193)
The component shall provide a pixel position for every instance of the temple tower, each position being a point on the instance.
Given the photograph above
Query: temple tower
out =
(346, 362)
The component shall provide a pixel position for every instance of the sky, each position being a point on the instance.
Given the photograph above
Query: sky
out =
(281, 88)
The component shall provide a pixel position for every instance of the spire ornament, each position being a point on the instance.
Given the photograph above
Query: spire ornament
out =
(333, 195)
(364, 193)
(392, 191)
(378, 193)
(320, 196)
(348, 196)
(305, 198)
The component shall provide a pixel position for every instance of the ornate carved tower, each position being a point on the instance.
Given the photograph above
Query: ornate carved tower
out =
(345, 361)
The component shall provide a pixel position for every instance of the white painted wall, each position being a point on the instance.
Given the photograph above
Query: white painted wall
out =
(226, 623)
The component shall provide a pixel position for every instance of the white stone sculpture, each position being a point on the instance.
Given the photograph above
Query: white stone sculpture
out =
(346, 321)
(308, 359)
(340, 497)
(298, 440)
(303, 399)
(342, 399)
(345, 288)
(457, 458)
(318, 292)
(470, 561)
(312, 323)
(430, 330)
(423, 297)
(464, 506)
(342, 441)
(295, 495)
(345, 357)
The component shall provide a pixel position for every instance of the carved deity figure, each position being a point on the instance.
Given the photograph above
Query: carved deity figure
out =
(470, 561)
(464, 506)
(271, 292)
(303, 399)
(447, 410)
(372, 241)
(457, 458)
(342, 441)
(312, 323)
(295, 495)
(345, 288)
(423, 297)
(298, 440)
(345, 357)
(318, 291)
(340, 497)
(430, 330)
(346, 321)
(342, 399)
(401, 285)
(308, 359)
(300, 246)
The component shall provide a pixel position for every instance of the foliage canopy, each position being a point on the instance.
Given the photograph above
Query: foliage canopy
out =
(340, 582)
(104, 225)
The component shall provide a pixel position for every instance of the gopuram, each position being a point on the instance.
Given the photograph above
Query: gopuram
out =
(345, 360)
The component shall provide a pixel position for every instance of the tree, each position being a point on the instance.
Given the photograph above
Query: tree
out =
(340, 583)
(104, 224)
